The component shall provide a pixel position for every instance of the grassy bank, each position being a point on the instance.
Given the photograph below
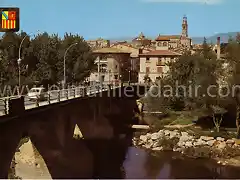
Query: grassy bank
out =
(183, 120)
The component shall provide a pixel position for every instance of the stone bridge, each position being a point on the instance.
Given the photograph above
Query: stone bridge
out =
(103, 121)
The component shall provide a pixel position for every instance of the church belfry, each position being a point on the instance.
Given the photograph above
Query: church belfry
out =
(185, 27)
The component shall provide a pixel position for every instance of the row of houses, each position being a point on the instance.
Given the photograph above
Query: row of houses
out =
(123, 61)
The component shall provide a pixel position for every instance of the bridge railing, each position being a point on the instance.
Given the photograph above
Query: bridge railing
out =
(53, 96)
(4, 105)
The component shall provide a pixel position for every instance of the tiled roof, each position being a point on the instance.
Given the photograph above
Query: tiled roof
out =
(149, 49)
(167, 37)
(110, 50)
(125, 44)
(160, 53)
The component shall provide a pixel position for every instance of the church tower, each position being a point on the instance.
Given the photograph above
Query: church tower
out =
(185, 27)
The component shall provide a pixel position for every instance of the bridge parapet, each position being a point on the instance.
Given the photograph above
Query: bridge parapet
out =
(101, 116)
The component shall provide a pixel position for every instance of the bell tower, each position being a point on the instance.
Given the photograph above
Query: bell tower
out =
(184, 26)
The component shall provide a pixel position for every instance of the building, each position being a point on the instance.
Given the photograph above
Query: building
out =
(175, 41)
(99, 43)
(154, 64)
(134, 58)
(141, 40)
(134, 53)
(113, 65)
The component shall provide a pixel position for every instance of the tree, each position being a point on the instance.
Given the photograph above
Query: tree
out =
(42, 59)
(9, 46)
(189, 72)
(46, 50)
(233, 59)
(147, 79)
(79, 58)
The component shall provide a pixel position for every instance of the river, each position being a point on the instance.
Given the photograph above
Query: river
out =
(141, 164)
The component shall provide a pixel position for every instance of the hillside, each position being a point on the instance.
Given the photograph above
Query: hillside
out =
(196, 40)
(212, 39)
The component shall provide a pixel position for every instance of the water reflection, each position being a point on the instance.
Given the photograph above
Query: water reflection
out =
(140, 164)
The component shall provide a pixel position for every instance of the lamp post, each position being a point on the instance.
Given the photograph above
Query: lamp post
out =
(19, 63)
(20, 60)
(19, 75)
(129, 76)
(19, 50)
(64, 63)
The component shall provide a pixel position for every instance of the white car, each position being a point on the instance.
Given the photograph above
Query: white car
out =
(37, 93)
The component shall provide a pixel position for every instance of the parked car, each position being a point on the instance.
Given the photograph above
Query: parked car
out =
(35, 93)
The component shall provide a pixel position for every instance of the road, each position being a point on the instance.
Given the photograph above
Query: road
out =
(54, 96)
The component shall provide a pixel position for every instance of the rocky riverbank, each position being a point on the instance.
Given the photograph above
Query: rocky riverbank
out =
(189, 145)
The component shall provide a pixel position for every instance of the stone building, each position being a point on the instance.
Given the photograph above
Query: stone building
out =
(99, 43)
(154, 63)
(134, 58)
(113, 65)
(141, 40)
(174, 41)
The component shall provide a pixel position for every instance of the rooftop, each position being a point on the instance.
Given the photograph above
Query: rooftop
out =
(167, 37)
(161, 53)
(110, 51)
(141, 37)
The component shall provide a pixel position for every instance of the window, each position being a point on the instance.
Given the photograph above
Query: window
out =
(147, 59)
(159, 62)
(164, 43)
(147, 69)
(159, 69)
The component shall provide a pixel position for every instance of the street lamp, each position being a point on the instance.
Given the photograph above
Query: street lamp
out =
(19, 50)
(19, 74)
(64, 63)
(129, 76)
(20, 60)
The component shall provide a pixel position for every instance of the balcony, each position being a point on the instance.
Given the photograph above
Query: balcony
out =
(101, 61)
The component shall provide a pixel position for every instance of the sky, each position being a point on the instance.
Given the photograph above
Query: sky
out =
(127, 18)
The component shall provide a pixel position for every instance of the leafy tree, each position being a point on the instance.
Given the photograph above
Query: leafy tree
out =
(147, 79)
(233, 71)
(79, 58)
(193, 74)
(9, 46)
(42, 59)
(46, 50)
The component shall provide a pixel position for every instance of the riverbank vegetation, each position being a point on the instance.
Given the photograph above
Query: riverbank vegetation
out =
(42, 59)
(209, 108)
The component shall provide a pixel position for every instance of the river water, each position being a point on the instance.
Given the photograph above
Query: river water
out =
(141, 164)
